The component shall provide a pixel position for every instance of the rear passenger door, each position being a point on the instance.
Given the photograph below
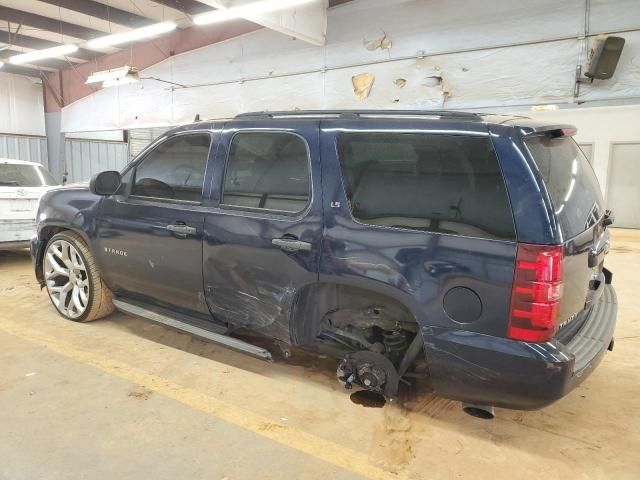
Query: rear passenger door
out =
(263, 231)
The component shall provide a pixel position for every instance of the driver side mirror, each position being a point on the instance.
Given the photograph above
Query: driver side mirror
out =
(105, 183)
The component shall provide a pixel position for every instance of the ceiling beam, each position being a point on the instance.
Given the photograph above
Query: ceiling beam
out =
(190, 7)
(33, 43)
(48, 24)
(103, 12)
(20, 70)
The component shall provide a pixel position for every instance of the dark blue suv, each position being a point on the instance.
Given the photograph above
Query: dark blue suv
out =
(469, 248)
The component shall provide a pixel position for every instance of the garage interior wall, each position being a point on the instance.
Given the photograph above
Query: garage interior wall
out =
(84, 158)
(22, 106)
(442, 60)
(24, 147)
(23, 134)
(601, 127)
(22, 130)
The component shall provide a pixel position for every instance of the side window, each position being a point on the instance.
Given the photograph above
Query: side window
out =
(267, 171)
(436, 183)
(174, 170)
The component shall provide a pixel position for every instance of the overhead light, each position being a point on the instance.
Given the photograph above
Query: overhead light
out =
(112, 74)
(544, 108)
(1, 64)
(36, 55)
(115, 76)
(248, 10)
(132, 35)
(114, 82)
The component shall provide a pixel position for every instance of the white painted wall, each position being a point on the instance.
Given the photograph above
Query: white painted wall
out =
(109, 136)
(601, 126)
(21, 106)
(494, 53)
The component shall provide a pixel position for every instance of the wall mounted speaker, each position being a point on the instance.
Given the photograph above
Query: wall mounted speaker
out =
(604, 57)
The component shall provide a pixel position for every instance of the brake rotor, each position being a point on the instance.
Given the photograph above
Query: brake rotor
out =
(369, 370)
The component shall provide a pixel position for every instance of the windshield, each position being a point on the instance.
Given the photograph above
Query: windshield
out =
(570, 181)
(21, 175)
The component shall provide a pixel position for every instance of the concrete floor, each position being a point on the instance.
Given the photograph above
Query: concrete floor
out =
(124, 398)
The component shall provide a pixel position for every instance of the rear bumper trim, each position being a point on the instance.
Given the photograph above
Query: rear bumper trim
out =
(597, 332)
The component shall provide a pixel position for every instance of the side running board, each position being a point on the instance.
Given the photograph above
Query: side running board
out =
(211, 333)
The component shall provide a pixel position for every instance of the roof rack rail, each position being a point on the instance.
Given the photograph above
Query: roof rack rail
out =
(360, 113)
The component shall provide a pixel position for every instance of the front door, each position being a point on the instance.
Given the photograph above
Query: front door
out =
(262, 235)
(150, 237)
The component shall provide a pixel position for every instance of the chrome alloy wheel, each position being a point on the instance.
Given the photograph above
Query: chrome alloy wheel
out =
(67, 279)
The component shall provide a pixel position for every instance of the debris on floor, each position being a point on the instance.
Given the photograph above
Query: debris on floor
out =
(141, 394)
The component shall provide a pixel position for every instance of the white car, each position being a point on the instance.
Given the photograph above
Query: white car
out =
(21, 185)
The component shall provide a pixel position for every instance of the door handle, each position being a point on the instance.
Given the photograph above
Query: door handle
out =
(291, 245)
(182, 231)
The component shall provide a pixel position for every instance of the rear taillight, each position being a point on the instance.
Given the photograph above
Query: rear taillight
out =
(536, 293)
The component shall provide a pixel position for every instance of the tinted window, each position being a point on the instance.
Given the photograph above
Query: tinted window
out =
(174, 169)
(435, 183)
(21, 175)
(570, 181)
(267, 171)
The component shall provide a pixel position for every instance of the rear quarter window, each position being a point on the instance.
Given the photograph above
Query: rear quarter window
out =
(569, 180)
(435, 183)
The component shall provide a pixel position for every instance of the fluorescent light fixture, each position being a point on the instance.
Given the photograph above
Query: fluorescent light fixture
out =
(132, 35)
(544, 108)
(1, 64)
(112, 74)
(43, 54)
(114, 82)
(248, 10)
(114, 77)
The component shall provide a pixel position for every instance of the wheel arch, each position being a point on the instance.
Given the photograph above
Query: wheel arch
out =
(315, 300)
(45, 234)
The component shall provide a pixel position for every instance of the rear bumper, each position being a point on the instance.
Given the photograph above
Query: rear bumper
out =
(16, 245)
(16, 232)
(497, 371)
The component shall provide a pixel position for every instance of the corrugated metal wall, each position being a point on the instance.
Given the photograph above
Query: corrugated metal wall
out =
(84, 158)
(139, 138)
(22, 147)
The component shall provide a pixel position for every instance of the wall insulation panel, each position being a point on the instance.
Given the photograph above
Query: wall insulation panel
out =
(22, 105)
(463, 54)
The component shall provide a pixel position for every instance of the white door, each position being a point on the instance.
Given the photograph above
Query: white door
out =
(623, 186)
(587, 149)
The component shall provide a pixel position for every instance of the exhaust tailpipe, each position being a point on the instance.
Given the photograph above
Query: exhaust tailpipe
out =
(486, 412)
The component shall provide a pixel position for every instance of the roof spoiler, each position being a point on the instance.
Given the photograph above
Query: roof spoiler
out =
(553, 131)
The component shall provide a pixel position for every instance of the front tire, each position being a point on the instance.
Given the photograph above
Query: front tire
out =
(73, 280)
